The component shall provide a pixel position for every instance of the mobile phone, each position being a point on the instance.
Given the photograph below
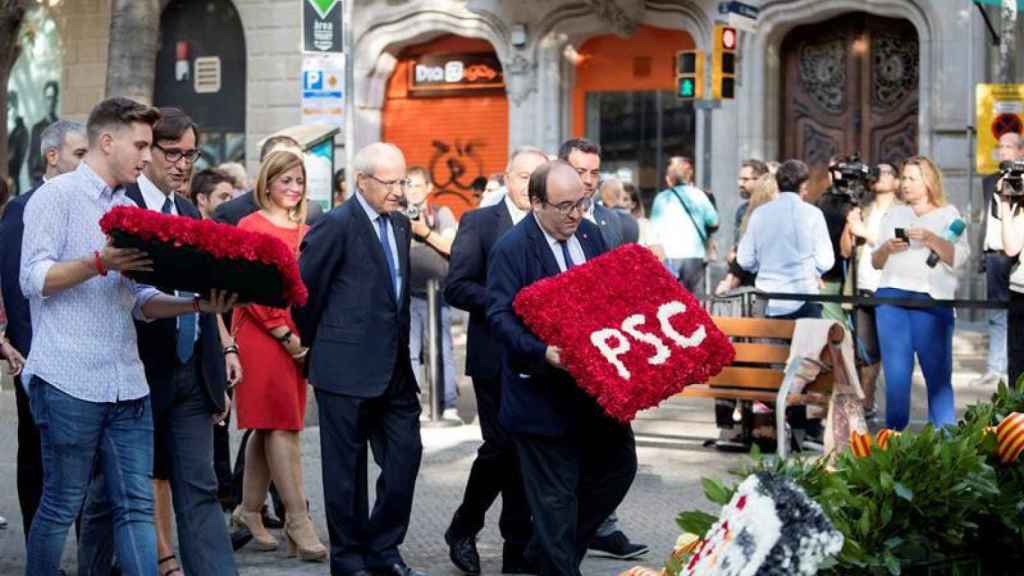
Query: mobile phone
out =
(901, 233)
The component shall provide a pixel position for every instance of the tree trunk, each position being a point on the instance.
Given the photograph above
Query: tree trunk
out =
(12, 12)
(1008, 42)
(134, 41)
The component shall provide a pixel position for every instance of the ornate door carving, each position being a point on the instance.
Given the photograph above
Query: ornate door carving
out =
(850, 84)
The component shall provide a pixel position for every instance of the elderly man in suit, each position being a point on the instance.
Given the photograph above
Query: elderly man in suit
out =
(577, 462)
(355, 263)
(496, 468)
(617, 228)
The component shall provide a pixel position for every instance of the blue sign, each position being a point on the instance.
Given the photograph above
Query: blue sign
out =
(739, 8)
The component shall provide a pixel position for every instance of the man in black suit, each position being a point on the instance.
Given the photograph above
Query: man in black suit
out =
(187, 369)
(232, 211)
(496, 468)
(577, 462)
(617, 228)
(355, 263)
(63, 144)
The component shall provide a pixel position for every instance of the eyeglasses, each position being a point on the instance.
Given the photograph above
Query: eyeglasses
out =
(174, 155)
(566, 208)
(399, 185)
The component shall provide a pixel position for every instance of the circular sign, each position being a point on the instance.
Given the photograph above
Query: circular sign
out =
(729, 39)
(1005, 123)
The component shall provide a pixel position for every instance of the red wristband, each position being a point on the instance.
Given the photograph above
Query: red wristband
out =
(100, 268)
(195, 303)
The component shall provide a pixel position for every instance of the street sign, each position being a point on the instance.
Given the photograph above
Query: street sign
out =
(323, 89)
(740, 15)
(322, 26)
(1000, 109)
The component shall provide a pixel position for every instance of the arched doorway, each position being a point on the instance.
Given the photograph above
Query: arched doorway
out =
(201, 69)
(850, 84)
(624, 99)
(446, 108)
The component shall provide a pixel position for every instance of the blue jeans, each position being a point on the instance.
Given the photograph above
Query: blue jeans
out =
(76, 437)
(997, 281)
(928, 333)
(417, 340)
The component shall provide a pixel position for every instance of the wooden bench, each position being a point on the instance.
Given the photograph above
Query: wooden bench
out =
(761, 371)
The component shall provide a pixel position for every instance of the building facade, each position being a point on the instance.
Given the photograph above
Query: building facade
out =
(884, 78)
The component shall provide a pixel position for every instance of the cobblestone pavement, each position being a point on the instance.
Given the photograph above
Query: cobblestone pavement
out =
(669, 444)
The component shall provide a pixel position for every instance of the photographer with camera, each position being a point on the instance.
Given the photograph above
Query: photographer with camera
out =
(864, 226)
(1010, 189)
(997, 262)
(921, 251)
(433, 231)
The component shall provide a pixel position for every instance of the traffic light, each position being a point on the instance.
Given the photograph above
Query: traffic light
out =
(723, 62)
(690, 74)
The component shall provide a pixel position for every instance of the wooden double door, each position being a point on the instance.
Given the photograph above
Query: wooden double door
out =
(850, 85)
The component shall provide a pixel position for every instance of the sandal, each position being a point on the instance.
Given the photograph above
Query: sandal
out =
(175, 570)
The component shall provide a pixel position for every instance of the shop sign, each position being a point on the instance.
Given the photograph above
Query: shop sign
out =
(322, 26)
(1000, 109)
(323, 89)
(449, 74)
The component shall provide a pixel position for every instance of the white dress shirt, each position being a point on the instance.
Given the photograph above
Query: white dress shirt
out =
(514, 212)
(154, 197)
(373, 215)
(575, 249)
(788, 246)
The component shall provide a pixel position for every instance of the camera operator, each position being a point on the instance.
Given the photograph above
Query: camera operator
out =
(433, 231)
(864, 226)
(997, 263)
(848, 178)
(1010, 189)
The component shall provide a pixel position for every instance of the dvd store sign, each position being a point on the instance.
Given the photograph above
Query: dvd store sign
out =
(453, 73)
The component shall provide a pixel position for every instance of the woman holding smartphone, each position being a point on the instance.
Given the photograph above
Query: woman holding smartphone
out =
(920, 255)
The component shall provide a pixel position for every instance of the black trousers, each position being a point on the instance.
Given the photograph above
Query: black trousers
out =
(572, 484)
(30, 459)
(495, 471)
(390, 426)
(1015, 337)
(222, 458)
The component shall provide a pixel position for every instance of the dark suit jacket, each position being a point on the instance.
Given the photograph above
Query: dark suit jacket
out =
(466, 285)
(158, 341)
(357, 330)
(12, 228)
(617, 228)
(536, 398)
(232, 211)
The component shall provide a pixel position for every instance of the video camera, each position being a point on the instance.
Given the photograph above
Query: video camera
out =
(1012, 173)
(852, 177)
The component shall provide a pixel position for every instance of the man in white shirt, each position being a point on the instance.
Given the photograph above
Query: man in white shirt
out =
(787, 245)
(997, 264)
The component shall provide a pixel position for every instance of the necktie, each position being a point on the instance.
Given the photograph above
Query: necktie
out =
(186, 333)
(382, 231)
(167, 208)
(565, 254)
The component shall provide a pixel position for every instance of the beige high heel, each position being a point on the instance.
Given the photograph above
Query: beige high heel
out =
(302, 539)
(261, 538)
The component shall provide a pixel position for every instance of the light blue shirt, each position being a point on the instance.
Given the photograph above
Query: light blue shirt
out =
(83, 340)
(373, 215)
(788, 246)
(573, 243)
(679, 236)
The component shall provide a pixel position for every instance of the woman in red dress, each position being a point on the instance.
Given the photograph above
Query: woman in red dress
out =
(271, 399)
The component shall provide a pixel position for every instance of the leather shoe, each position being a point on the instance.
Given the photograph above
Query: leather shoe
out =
(399, 570)
(463, 553)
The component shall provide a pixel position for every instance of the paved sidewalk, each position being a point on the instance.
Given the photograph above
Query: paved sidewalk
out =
(669, 444)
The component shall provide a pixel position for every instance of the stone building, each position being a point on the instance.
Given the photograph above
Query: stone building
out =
(885, 78)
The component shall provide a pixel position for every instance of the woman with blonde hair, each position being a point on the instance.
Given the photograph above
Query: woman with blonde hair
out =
(918, 262)
(271, 399)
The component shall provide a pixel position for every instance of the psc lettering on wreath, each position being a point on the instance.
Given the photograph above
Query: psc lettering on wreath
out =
(630, 335)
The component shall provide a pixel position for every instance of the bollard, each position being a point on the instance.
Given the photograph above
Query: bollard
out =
(435, 367)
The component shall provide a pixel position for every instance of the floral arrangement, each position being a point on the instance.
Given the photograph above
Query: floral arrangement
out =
(629, 333)
(199, 255)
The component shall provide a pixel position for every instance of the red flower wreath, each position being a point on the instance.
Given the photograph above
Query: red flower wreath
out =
(221, 241)
(630, 334)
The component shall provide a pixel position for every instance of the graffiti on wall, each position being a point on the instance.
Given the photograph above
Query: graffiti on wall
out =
(453, 168)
